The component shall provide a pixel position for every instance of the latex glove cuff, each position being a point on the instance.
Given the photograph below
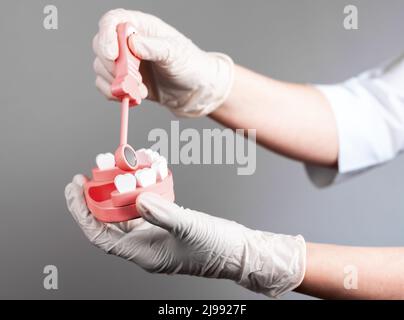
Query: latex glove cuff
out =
(277, 267)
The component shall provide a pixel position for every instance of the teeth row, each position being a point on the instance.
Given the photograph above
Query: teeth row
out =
(143, 177)
(106, 161)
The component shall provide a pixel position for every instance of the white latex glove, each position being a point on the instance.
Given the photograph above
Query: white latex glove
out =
(170, 239)
(179, 75)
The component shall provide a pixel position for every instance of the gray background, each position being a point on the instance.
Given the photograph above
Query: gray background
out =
(53, 122)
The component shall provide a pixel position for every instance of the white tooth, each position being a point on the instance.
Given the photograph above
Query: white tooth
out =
(160, 166)
(125, 183)
(162, 157)
(141, 156)
(155, 156)
(151, 155)
(105, 161)
(145, 177)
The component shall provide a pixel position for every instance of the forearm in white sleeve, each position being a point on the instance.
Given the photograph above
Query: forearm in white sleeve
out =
(369, 112)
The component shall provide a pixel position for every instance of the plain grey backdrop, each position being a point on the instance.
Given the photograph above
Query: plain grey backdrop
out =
(53, 122)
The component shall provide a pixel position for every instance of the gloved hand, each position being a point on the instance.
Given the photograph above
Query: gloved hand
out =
(170, 239)
(179, 75)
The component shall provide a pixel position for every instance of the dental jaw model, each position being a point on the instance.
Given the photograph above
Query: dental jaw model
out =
(120, 178)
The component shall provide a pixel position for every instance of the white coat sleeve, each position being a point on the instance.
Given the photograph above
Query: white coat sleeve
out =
(369, 113)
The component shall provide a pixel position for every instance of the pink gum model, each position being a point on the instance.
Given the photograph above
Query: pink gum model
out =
(108, 205)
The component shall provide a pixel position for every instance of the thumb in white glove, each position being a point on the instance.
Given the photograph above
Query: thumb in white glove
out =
(170, 239)
(179, 75)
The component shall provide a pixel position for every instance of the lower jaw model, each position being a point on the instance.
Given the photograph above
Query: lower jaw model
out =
(112, 192)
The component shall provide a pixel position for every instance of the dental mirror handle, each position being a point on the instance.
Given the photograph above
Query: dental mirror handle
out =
(127, 65)
(124, 120)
